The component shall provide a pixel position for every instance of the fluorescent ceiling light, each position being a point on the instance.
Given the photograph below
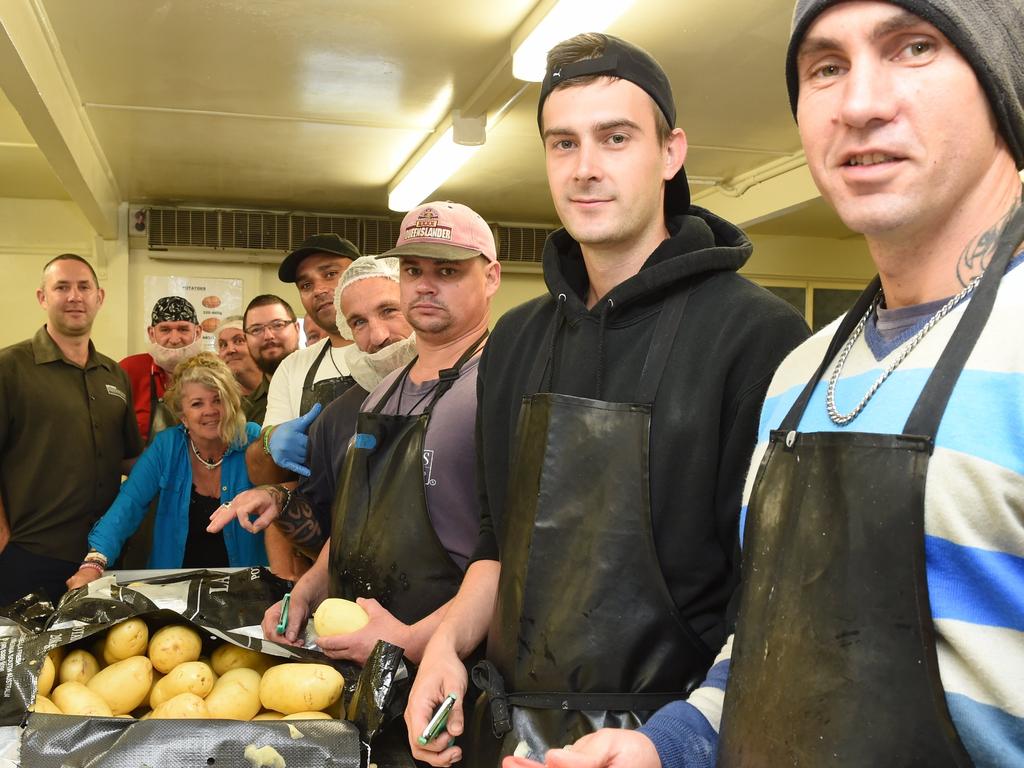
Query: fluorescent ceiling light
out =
(565, 19)
(433, 168)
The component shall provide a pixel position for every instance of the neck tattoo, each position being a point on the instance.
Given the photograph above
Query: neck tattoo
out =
(842, 419)
(208, 463)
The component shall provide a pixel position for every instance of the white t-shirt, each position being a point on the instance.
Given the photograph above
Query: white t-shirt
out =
(285, 393)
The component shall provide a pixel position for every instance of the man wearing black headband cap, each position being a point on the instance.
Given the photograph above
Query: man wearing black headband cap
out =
(611, 491)
(174, 335)
(880, 612)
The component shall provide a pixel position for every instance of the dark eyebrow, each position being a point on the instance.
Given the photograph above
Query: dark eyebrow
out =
(899, 22)
(608, 125)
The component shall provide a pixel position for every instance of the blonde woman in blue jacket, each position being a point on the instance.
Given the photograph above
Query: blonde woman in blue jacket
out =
(193, 467)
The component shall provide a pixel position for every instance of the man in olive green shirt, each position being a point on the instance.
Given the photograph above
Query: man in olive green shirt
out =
(67, 433)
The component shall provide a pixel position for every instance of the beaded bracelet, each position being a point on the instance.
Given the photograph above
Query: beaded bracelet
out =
(266, 438)
(91, 564)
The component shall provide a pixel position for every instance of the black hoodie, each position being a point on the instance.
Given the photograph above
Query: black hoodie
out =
(704, 421)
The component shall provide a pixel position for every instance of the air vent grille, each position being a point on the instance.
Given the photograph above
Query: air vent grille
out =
(254, 229)
(307, 225)
(380, 235)
(282, 232)
(521, 244)
(183, 226)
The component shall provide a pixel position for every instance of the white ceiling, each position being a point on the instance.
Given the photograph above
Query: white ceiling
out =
(316, 105)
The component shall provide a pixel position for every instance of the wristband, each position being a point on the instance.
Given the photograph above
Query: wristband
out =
(287, 496)
(92, 564)
(266, 438)
(95, 556)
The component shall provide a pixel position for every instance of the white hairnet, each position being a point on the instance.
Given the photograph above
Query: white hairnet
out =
(361, 269)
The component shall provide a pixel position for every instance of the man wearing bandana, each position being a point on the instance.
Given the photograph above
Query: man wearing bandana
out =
(174, 335)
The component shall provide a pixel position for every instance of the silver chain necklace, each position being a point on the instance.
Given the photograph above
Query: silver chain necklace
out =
(842, 419)
(204, 462)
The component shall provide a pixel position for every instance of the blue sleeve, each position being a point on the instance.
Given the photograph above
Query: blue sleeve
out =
(685, 733)
(119, 522)
(682, 736)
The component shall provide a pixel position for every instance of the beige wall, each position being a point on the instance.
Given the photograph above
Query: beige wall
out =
(33, 231)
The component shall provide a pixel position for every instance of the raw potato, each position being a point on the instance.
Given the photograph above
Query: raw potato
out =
(308, 716)
(188, 677)
(127, 639)
(75, 699)
(236, 695)
(43, 704)
(46, 676)
(174, 645)
(124, 684)
(186, 706)
(291, 688)
(227, 656)
(269, 714)
(336, 616)
(78, 667)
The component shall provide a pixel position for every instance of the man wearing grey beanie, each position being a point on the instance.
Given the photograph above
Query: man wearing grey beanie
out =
(880, 613)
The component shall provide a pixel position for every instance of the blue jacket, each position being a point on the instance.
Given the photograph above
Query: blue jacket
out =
(164, 468)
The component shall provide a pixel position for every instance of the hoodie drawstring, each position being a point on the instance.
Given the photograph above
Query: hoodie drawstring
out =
(605, 308)
(557, 323)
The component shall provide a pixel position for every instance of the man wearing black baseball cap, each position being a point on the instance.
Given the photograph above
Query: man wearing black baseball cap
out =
(317, 374)
(616, 417)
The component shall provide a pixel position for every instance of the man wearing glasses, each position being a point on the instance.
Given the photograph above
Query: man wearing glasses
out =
(271, 333)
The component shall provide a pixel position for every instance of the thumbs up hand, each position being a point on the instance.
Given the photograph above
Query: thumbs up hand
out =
(289, 443)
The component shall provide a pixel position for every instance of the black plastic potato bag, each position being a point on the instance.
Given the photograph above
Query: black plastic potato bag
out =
(222, 606)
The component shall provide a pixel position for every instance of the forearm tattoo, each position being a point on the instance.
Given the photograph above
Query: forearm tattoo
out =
(976, 256)
(297, 521)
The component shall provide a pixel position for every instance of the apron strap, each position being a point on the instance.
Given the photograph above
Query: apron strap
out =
(931, 405)
(542, 363)
(153, 402)
(864, 301)
(447, 377)
(665, 332)
(488, 679)
(307, 383)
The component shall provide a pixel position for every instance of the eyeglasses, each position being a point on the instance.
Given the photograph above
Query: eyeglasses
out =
(274, 326)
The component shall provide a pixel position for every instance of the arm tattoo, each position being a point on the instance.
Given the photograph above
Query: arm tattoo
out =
(976, 256)
(297, 521)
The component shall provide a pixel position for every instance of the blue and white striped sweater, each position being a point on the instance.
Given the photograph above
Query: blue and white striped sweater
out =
(974, 526)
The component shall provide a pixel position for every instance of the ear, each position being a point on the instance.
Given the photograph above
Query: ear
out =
(674, 153)
(149, 333)
(100, 296)
(41, 297)
(492, 278)
(199, 332)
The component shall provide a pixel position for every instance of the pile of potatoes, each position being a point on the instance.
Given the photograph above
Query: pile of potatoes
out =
(127, 673)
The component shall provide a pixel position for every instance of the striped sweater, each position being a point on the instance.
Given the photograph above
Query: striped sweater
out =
(974, 524)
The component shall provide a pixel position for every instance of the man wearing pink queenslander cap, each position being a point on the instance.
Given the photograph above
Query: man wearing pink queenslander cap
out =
(405, 519)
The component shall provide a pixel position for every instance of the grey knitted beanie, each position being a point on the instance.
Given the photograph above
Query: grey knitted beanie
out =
(988, 33)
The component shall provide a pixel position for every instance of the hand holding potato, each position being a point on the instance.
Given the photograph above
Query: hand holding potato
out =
(358, 644)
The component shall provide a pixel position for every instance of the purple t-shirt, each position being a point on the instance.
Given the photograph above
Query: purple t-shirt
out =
(449, 454)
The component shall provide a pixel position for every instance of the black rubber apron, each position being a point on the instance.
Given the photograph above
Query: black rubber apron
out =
(585, 633)
(383, 544)
(325, 391)
(834, 659)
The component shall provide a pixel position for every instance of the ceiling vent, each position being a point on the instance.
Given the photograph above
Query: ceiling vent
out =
(305, 225)
(521, 244)
(266, 235)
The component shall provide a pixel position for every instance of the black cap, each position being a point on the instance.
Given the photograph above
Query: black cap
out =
(328, 243)
(626, 62)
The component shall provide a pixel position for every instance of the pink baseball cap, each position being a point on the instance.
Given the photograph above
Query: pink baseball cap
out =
(444, 230)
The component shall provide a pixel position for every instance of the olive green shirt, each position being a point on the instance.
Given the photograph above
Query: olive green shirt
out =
(64, 431)
(254, 405)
